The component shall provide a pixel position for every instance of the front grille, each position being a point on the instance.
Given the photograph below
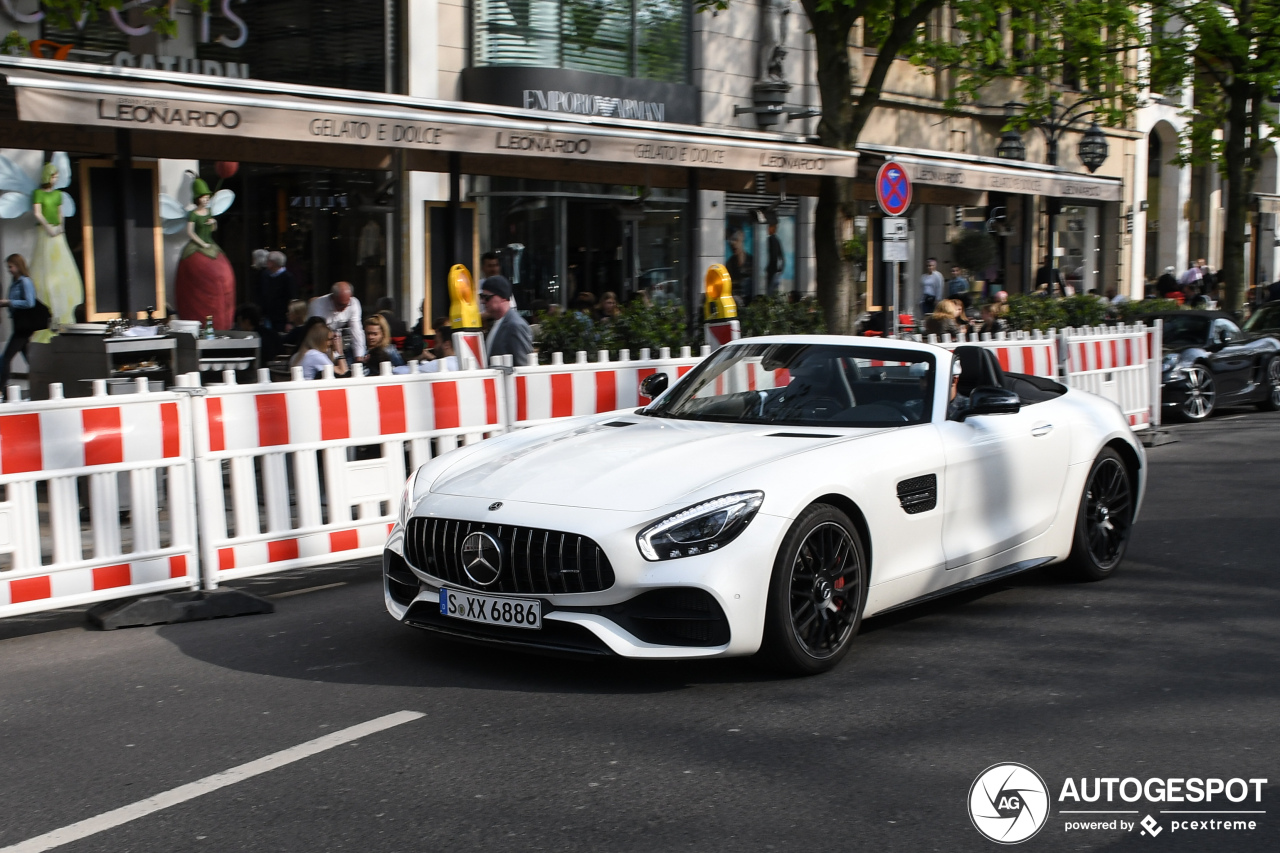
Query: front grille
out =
(534, 561)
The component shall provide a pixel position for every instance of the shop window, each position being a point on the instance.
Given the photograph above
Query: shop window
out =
(624, 38)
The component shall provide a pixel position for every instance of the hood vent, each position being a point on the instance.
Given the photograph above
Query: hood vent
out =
(799, 435)
(919, 494)
(619, 423)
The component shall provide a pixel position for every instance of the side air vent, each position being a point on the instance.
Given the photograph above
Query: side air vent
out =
(919, 494)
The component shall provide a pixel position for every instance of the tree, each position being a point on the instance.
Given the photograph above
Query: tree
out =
(1228, 49)
(1089, 40)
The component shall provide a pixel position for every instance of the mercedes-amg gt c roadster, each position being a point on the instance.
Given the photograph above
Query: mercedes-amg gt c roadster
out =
(766, 502)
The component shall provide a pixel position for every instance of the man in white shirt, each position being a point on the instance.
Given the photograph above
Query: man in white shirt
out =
(340, 308)
(932, 286)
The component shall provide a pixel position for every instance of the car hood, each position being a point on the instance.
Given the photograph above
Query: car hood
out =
(649, 464)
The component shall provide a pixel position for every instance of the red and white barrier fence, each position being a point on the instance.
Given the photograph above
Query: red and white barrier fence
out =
(98, 499)
(1033, 353)
(314, 470)
(297, 474)
(1116, 362)
(545, 392)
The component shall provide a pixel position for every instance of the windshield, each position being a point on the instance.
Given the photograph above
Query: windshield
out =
(805, 385)
(1264, 319)
(1185, 331)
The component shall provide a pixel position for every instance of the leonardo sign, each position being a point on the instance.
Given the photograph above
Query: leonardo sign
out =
(113, 103)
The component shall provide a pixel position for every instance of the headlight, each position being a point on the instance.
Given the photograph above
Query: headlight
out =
(410, 497)
(704, 527)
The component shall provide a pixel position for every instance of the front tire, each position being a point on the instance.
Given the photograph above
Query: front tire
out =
(1104, 520)
(1201, 394)
(1271, 402)
(816, 594)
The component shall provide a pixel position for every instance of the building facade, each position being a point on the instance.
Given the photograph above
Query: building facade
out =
(663, 80)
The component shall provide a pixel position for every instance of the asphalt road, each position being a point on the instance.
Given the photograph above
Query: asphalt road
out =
(1169, 669)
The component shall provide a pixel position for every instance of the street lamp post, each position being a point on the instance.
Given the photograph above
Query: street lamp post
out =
(1092, 150)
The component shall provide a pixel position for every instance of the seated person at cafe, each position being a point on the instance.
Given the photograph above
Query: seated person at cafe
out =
(377, 336)
(320, 348)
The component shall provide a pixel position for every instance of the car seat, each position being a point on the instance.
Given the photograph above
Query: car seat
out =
(978, 368)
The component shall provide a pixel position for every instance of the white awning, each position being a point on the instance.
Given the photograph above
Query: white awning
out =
(973, 174)
(97, 97)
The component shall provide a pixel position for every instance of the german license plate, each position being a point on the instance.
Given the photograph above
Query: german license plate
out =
(491, 609)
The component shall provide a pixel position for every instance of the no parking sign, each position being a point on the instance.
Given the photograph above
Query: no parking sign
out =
(893, 189)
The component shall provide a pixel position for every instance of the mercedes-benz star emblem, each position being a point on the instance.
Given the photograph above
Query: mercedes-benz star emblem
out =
(481, 558)
(495, 505)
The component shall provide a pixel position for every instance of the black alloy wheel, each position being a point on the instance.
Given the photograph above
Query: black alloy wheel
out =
(1104, 520)
(817, 593)
(1201, 394)
(1271, 379)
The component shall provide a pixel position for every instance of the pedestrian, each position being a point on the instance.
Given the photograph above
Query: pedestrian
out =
(1190, 280)
(28, 314)
(1049, 279)
(490, 265)
(584, 305)
(510, 334)
(278, 290)
(340, 311)
(320, 348)
(932, 287)
(377, 334)
(958, 286)
(1167, 285)
(775, 261)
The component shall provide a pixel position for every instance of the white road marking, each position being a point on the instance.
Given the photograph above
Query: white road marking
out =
(183, 793)
(293, 592)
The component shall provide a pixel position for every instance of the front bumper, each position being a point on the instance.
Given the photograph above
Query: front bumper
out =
(728, 588)
(1173, 392)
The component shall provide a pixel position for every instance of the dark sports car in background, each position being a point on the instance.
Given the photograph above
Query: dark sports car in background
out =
(1211, 363)
(1265, 320)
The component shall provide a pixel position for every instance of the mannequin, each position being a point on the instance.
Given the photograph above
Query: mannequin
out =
(205, 284)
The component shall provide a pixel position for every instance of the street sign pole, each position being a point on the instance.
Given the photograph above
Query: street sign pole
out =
(893, 193)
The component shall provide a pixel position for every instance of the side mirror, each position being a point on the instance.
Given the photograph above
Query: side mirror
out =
(989, 400)
(653, 385)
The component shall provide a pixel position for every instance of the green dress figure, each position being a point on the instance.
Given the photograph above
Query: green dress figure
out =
(205, 284)
(53, 267)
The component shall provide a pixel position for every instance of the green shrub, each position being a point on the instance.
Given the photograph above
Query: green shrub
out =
(1027, 313)
(1084, 310)
(636, 327)
(774, 315)
(568, 333)
(1130, 312)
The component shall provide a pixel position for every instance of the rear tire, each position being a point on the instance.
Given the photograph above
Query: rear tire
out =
(1103, 521)
(1271, 379)
(816, 594)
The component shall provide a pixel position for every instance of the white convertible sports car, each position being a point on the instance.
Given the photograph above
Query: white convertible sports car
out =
(775, 495)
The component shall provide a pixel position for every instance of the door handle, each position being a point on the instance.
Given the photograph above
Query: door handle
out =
(1041, 429)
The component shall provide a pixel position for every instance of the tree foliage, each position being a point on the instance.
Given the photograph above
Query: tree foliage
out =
(1227, 50)
(75, 14)
(1046, 46)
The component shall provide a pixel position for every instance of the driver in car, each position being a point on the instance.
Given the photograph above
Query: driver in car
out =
(959, 403)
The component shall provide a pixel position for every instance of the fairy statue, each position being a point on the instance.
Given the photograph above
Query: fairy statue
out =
(53, 267)
(205, 284)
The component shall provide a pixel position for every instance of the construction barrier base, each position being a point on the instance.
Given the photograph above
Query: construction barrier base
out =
(176, 607)
(1157, 437)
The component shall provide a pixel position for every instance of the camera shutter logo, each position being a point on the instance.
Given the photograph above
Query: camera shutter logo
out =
(481, 558)
(1008, 803)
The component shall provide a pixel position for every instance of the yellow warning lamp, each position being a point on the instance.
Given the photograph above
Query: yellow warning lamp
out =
(464, 313)
(719, 303)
